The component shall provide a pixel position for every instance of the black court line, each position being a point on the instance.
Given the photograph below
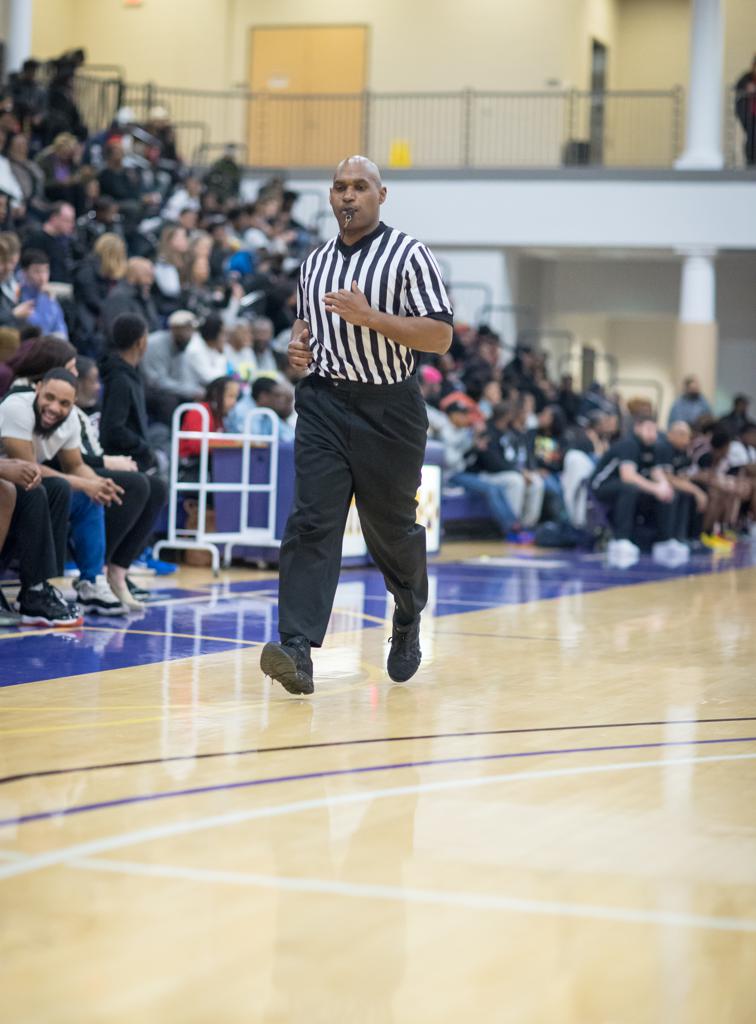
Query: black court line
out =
(361, 742)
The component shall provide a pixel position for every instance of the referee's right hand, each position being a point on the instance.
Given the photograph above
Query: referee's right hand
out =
(300, 355)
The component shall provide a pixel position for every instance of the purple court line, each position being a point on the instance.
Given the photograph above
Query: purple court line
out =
(65, 812)
(291, 748)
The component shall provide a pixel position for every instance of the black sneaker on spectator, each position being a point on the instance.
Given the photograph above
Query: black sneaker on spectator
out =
(7, 616)
(405, 654)
(97, 598)
(46, 606)
(137, 592)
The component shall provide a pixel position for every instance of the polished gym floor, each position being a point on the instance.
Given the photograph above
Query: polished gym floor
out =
(554, 822)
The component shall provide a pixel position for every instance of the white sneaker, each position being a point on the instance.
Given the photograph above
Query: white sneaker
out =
(622, 554)
(670, 553)
(97, 598)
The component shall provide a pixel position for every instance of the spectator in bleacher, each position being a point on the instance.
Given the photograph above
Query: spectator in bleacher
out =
(159, 125)
(28, 174)
(169, 269)
(62, 112)
(124, 425)
(26, 533)
(61, 165)
(497, 462)
(29, 97)
(55, 239)
(46, 313)
(629, 479)
(742, 454)
(224, 178)
(737, 417)
(94, 279)
(163, 367)
(462, 447)
(430, 388)
(595, 399)
(568, 399)
(691, 404)
(520, 372)
(262, 339)
(727, 491)
(121, 183)
(220, 398)
(205, 359)
(185, 197)
(132, 295)
(9, 186)
(239, 351)
(40, 426)
(275, 395)
(13, 312)
(128, 526)
(745, 110)
(38, 355)
(549, 449)
(101, 219)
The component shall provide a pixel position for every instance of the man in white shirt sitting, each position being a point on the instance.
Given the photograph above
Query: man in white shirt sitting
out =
(205, 359)
(39, 426)
(163, 367)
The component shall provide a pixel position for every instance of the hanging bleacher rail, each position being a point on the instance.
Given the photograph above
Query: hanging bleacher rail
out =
(201, 538)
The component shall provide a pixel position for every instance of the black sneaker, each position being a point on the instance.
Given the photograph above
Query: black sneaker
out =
(7, 616)
(290, 664)
(137, 592)
(405, 654)
(47, 607)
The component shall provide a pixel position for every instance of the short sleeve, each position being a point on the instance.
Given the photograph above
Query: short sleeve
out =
(303, 312)
(71, 433)
(424, 293)
(17, 418)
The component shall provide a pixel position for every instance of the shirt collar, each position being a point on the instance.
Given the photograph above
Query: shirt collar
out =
(362, 243)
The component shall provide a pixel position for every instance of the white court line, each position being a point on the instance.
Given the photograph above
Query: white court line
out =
(433, 897)
(178, 828)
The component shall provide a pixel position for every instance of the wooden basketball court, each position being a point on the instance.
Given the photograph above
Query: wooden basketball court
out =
(553, 822)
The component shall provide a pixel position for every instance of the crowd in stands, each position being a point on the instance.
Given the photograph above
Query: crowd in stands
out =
(130, 284)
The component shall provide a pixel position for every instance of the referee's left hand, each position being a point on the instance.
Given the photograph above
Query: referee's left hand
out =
(351, 306)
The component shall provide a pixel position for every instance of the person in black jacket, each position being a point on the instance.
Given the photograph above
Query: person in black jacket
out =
(123, 425)
(500, 460)
(128, 526)
(132, 295)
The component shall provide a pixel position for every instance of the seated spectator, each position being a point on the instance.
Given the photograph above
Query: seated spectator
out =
(629, 479)
(128, 526)
(40, 426)
(163, 367)
(205, 359)
(27, 532)
(737, 417)
(742, 454)
(727, 491)
(265, 393)
(497, 461)
(28, 175)
(100, 220)
(46, 313)
(238, 350)
(262, 338)
(29, 97)
(123, 425)
(224, 179)
(548, 447)
(692, 500)
(132, 295)
(121, 183)
(520, 372)
(568, 399)
(185, 197)
(60, 164)
(13, 312)
(54, 239)
(169, 268)
(220, 398)
(430, 388)
(461, 447)
(95, 278)
(35, 357)
(9, 186)
(691, 404)
(584, 447)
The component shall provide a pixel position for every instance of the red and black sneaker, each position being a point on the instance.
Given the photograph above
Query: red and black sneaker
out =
(46, 606)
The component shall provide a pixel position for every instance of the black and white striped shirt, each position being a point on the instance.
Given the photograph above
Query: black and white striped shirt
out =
(397, 274)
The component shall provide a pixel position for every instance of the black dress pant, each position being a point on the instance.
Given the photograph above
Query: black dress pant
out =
(128, 526)
(58, 493)
(30, 537)
(366, 441)
(625, 502)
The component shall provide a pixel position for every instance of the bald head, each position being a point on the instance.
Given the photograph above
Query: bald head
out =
(357, 194)
(358, 165)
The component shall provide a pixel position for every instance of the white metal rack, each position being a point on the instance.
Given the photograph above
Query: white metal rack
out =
(200, 539)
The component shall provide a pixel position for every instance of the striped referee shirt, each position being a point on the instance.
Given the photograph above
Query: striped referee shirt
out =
(397, 275)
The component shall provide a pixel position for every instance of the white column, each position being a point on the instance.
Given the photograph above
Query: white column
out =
(697, 336)
(698, 287)
(703, 140)
(19, 33)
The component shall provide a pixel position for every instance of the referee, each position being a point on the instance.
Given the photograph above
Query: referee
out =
(367, 302)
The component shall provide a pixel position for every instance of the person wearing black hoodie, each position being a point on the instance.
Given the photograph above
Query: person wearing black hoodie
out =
(123, 423)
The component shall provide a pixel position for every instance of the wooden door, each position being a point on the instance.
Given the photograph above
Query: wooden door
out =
(307, 85)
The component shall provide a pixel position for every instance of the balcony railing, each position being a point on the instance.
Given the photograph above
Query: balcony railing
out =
(454, 130)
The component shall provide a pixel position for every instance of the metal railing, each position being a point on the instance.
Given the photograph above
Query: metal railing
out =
(449, 130)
